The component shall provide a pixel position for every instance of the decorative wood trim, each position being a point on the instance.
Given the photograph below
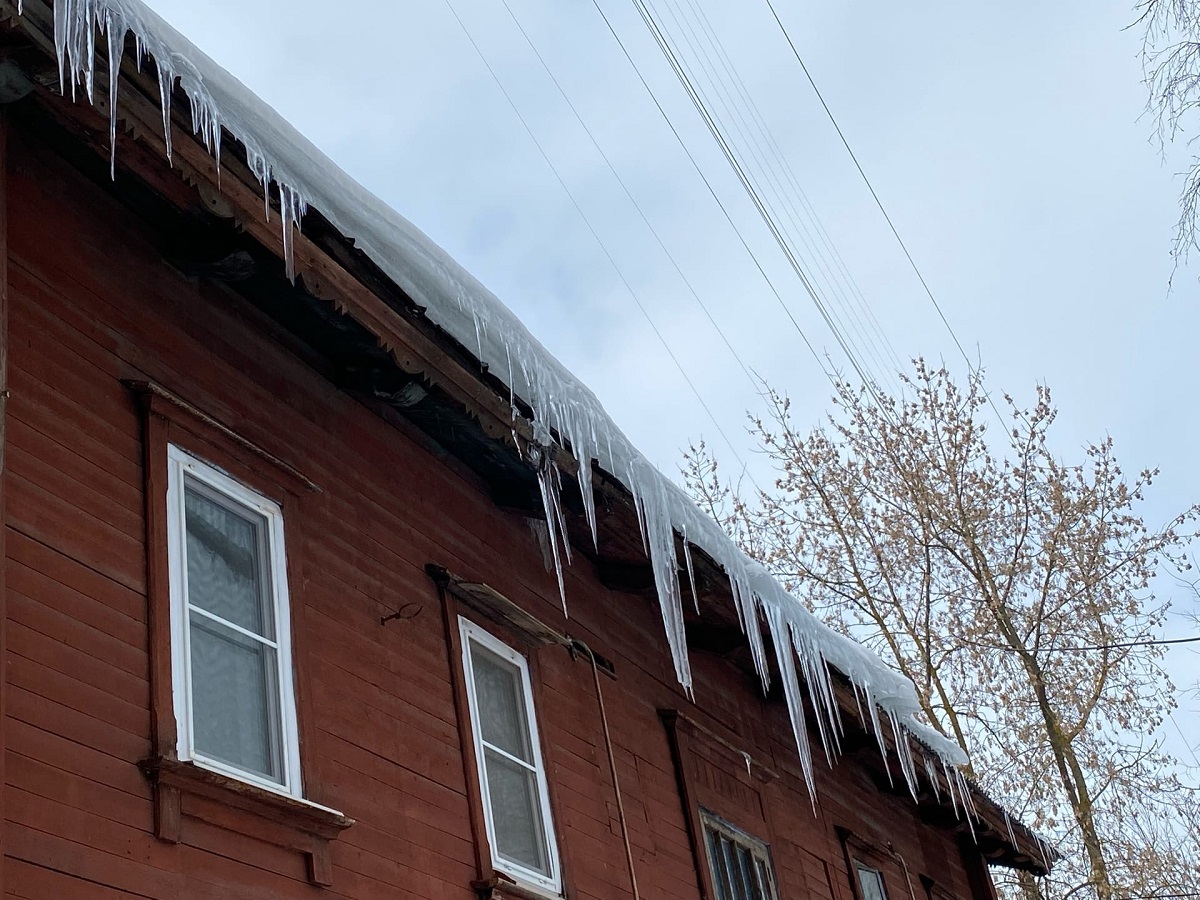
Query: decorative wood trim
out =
(157, 400)
(164, 737)
(184, 790)
(462, 715)
(278, 819)
(857, 850)
(3, 443)
(678, 738)
(492, 612)
(689, 741)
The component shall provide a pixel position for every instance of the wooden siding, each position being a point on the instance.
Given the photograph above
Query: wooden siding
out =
(93, 304)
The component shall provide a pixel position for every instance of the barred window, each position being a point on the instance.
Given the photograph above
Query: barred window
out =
(740, 864)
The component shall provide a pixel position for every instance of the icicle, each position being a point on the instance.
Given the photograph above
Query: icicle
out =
(1012, 838)
(166, 83)
(115, 29)
(292, 208)
(791, 691)
(873, 711)
(691, 571)
(950, 788)
(904, 755)
(63, 11)
(556, 526)
(660, 537)
(967, 801)
(454, 301)
(89, 68)
(1042, 851)
(932, 775)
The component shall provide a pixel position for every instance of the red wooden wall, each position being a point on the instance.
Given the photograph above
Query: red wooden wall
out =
(90, 304)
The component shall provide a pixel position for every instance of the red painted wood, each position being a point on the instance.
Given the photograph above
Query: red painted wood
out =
(93, 303)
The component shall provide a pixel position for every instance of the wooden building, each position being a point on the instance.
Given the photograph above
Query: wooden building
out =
(277, 614)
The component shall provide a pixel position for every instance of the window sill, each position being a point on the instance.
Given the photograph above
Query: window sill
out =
(502, 887)
(186, 790)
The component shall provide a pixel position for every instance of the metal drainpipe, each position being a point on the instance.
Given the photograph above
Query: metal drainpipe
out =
(612, 764)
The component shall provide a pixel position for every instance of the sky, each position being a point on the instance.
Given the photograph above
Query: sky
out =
(1008, 143)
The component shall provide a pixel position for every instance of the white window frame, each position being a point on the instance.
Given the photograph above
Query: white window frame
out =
(181, 467)
(758, 849)
(471, 632)
(875, 874)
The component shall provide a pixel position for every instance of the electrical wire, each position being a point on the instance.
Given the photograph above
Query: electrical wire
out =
(739, 170)
(769, 180)
(604, 247)
(793, 181)
(878, 202)
(624, 187)
(712, 191)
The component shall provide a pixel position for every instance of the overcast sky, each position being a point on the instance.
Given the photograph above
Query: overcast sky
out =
(1006, 140)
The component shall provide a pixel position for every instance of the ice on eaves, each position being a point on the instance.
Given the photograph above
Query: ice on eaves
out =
(560, 403)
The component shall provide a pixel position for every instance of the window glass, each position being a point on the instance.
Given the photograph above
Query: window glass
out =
(234, 710)
(512, 775)
(234, 703)
(501, 705)
(226, 562)
(739, 864)
(871, 882)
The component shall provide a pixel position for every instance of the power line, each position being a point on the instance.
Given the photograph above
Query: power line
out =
(781, 158)
(628, 193)
(673, 59)
(878, 202)
(774, 174)
(712, 191)
(1119, 646)
(579, 209)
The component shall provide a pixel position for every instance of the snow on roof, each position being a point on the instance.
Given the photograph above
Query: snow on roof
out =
(561, 404)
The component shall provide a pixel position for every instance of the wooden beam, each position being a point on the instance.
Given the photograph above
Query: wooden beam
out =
(3, 469)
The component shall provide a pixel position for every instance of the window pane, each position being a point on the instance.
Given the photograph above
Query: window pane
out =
(516, 813)
(764, 880)
(226, 555)
(727, 854)
(872, 884)
(738, 863)
(720, 879)
(235, 699)
(746, 873)
(501, 703)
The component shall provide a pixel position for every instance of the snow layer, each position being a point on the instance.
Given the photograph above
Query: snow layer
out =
(562, 406)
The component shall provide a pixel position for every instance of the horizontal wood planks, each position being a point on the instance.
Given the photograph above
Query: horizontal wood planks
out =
(93, 303)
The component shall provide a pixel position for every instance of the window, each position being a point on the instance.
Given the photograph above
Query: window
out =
(870, 883)
(511, 774)
(740, 864)
(231, 654)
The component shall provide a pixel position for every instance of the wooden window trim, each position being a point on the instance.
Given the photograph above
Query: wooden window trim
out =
(183, 790)
(186, 469)
(758, 848)
(472, 632)
(683, 733)
(491, 883)
(860, 852)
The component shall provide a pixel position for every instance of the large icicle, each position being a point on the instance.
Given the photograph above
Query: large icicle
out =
(563, 409)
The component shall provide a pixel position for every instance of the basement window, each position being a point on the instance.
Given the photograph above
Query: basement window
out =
(740, 865)
(512, 775)
(231, 647)
(870, 883)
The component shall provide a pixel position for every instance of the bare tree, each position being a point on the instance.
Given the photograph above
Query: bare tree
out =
(1012, 588)
(1171, 60)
